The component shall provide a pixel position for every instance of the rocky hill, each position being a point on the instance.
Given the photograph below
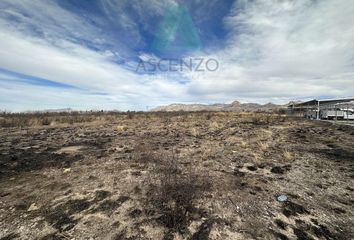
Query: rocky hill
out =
(232, 107)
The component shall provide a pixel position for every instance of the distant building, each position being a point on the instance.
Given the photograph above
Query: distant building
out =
(325, 109)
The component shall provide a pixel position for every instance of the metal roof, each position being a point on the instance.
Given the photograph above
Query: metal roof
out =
(315, 102)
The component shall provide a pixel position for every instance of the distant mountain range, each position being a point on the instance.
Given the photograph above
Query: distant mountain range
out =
(232, 107)
(61, 110)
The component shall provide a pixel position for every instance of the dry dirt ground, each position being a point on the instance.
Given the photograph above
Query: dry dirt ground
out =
(178, 176)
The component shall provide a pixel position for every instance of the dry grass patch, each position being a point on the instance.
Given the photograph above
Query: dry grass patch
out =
(287, 156)
(263, 146)
(122, 128)
(194, 132)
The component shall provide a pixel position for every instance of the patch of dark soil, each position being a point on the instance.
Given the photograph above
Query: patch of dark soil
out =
(116, 224)
(173, 220)
(77, 205)
(21, 207)
(53, 236)
(61, 216)
(293, 209)
(136, 173)
(338, 154)
(108, 206)
(4, 194)
(339, 210)
(58, 186)
(123, 199)
(302, 225)
(203, 231)
(301, 235)
(238, 173)
(61, 221)
(280, 236)
(280, 169)
(101, 195)
(262, 165)
(281, 224)
(135, 213)
(120, 236)
(168, 236)
(10, 236)
(321, 231)
(29, 160)
(252, 168)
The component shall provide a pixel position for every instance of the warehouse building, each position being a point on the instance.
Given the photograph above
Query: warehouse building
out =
(329, 109)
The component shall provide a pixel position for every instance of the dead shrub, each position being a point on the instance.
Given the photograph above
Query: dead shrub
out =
(35, 119)
(256, 119)
(143, 153)
(209, 116)
(130, 115)
(174, 191)
(265, 118)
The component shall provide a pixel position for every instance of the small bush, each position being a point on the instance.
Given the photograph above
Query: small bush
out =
(209, 116)
(130, 115)
(194, 132)
(287, 156)
(174, 191)
(263, 146)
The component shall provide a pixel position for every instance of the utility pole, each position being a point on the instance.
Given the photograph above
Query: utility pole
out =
(336, 112)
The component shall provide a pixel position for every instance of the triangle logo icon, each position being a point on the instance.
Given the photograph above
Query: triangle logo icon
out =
(176, 33)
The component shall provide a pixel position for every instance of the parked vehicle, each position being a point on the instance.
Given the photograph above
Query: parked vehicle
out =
(348, 114)
(331, 114)
(339, 114)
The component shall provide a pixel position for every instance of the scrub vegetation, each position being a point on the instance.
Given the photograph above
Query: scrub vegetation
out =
(177, 175)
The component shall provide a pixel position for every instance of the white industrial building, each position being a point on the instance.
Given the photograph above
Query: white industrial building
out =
(329, 109)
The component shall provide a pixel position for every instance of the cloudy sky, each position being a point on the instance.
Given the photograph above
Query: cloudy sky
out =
(102, 54)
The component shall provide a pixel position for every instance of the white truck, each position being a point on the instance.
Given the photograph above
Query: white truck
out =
(348, 114)
(339, 114)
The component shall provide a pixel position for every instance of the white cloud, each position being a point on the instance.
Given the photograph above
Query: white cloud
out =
(275, 51)
(284, 49)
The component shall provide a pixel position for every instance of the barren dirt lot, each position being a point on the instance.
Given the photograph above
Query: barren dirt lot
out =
(177, 176)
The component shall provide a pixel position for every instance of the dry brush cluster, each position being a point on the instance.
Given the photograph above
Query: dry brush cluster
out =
(173, 189)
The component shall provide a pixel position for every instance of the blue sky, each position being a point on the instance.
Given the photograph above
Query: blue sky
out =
(84, 54)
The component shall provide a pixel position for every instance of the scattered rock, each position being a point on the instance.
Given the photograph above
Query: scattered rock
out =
(282, 198)
(33, 207)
